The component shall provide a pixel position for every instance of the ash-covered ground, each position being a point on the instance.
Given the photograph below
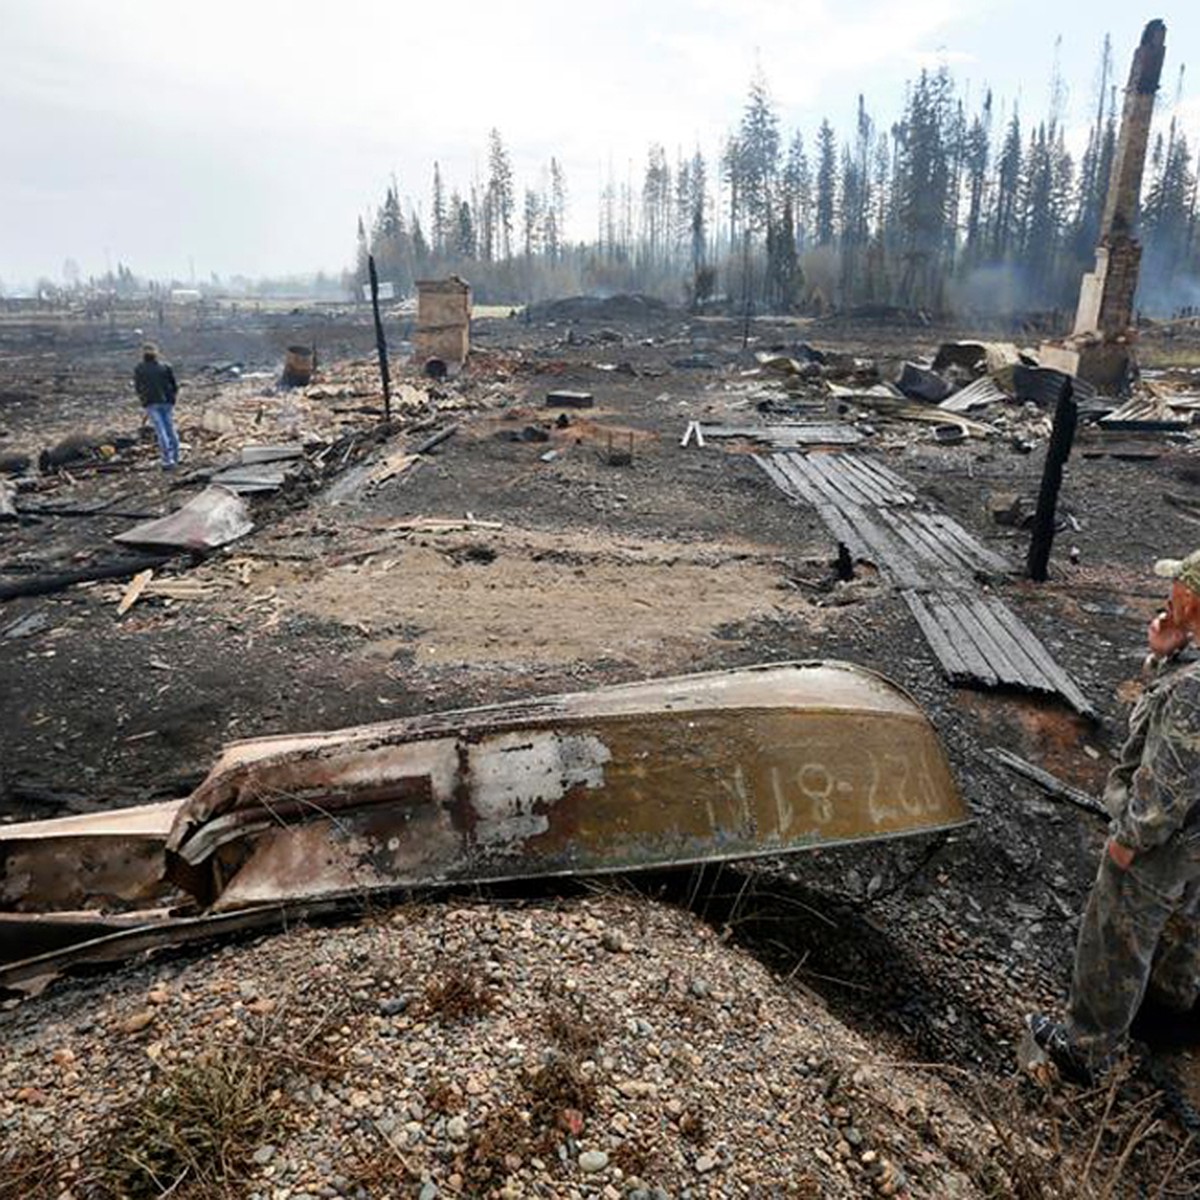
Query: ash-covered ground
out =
(620, 556)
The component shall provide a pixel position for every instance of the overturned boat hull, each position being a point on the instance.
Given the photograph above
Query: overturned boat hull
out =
(719, 766)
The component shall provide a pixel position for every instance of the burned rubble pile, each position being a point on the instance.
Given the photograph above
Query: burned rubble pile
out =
(608, 503)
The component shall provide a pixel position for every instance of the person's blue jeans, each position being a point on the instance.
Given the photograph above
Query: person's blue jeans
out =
(161, 417)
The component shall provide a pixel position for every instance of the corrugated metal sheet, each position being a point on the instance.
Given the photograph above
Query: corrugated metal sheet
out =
(980, 394)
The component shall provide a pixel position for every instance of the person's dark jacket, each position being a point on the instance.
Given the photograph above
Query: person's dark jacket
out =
(155, 382)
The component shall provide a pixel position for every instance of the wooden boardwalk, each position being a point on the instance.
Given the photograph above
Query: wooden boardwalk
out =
(937, 565)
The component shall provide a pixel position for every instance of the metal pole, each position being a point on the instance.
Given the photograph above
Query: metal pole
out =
(380, 340)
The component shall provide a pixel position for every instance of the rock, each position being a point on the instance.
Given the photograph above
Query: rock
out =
(571, 1121)
(393, 1006)
(1007, 508)
(705, 1163)
(263, 1155)
(138, 1022)
(615, 941)
(634, 1089)
(428, 1190)
(700, 988)
(456, 1129)
(591, 1161)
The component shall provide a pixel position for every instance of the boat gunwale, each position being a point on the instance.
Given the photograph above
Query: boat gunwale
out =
(12, 974)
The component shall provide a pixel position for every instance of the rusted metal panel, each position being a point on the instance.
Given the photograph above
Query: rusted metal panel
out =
(107, 858)
(213, 518)
(726, 765)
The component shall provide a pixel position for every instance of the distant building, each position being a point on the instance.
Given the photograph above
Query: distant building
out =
(387, 290)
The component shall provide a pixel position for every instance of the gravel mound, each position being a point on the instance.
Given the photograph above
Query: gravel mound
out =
(608, 1046)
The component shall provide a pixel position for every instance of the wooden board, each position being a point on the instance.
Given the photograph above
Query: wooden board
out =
(978, 638)
(816, 433)
(935, 562)
(851, 477)
(872, 510)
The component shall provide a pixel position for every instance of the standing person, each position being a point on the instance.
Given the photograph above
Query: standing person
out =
(1140, 936)
(156, 388)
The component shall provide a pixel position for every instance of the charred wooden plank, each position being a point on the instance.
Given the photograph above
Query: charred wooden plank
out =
(45, 584)
(980, 639)
(884, 549)
(895, 488)
(952, 533)
(1018, 650)
(947, 651)
(1058, 678)
(840, 485)
(949, 614)
(937, 564)
(1005, 669)
(1051, 785)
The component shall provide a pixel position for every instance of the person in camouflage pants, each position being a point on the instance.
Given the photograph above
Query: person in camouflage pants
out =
(1140, 935)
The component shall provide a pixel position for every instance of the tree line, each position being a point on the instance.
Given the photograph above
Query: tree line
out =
(943, 210)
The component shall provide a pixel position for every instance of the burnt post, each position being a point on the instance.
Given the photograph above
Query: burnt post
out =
(1062, 435)
(380, 340)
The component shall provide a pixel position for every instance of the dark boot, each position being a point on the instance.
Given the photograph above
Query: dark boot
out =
(1051, 1036)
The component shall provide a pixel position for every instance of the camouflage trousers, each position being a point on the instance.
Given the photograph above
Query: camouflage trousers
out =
(1140, 933)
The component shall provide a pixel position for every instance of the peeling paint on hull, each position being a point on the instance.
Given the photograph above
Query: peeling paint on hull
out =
(726, 765)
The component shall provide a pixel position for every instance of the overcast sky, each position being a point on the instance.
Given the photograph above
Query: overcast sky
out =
(247, 136)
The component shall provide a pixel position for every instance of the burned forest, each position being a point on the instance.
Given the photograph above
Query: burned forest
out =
(655, 716)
